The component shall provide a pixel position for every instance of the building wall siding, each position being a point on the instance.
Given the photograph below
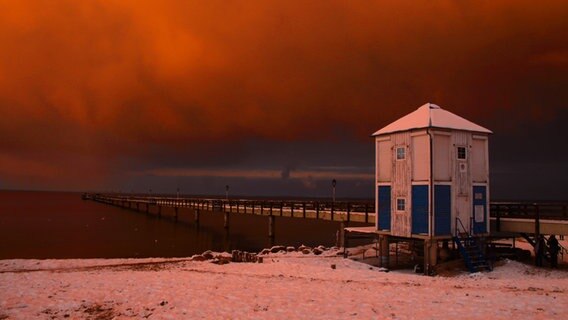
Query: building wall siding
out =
(400, 220)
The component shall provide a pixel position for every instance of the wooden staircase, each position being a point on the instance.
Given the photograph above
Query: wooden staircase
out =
(471, 250)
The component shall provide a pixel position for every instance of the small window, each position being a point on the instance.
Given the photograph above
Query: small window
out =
(400, 204)
(400, 153)
(462, 153)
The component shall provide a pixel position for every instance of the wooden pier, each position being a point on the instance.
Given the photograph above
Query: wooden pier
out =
(340, 211)
(511, 217)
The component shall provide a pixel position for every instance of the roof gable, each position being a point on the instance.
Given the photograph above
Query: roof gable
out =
(431, 116)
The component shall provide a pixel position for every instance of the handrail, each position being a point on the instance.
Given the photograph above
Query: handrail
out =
(457, 233)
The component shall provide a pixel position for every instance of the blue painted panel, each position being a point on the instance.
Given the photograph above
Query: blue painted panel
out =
(384, 208)
(480, 201)
(442, 210)
(419, 209)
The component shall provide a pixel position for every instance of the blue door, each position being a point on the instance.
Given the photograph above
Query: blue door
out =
(419, 209)
(479, 209)
(384, 208)
(442, 210)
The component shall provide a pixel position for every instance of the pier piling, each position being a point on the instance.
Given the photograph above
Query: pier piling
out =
(196, 216)
(271, 226)
(226, 220)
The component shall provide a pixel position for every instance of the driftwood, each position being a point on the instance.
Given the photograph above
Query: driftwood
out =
(243, 256)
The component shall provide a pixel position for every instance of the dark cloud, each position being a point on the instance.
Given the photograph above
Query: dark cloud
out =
(91, 89)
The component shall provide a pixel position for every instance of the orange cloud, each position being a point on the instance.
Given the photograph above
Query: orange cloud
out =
(109, 79)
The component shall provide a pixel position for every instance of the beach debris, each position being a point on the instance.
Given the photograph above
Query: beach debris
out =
(243, 256)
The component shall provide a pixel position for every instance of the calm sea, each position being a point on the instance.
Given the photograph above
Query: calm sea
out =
(61, 225)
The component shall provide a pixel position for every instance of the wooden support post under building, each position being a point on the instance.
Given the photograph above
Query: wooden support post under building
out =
(384, 251)
(536, 222)
(341, 235)
(176, 209)
(430, 255)
(147, 207)
(159, 211)
(226, 220)
(137, 206)
(271, 226)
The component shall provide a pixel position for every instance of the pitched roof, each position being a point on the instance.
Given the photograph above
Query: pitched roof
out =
(431, 116)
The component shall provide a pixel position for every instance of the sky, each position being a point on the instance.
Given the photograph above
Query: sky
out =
(273, 98)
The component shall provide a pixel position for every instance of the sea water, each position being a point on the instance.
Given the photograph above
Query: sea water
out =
(44, 225)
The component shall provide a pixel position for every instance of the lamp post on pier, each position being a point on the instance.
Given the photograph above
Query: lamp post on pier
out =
(177, 194)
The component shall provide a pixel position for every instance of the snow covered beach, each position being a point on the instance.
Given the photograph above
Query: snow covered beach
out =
(289, 285)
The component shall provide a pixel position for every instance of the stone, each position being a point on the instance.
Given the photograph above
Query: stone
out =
(265, 251)
(317, 251)
(219, 261)
(290, 249)
(276, 249)
(306, 251)
(333, 266)
(198, 257)
(208, 254)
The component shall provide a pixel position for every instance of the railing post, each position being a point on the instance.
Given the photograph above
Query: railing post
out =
(366, 213)
(304, 210)
(292, 209)
(317, 210)
(281, 208)
(332, 208)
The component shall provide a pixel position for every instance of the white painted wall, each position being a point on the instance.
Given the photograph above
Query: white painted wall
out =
(479, 163)
(384, 161)
(441, 152)
(420, 147)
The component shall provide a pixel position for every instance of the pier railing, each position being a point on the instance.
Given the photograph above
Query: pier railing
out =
(356, 211)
